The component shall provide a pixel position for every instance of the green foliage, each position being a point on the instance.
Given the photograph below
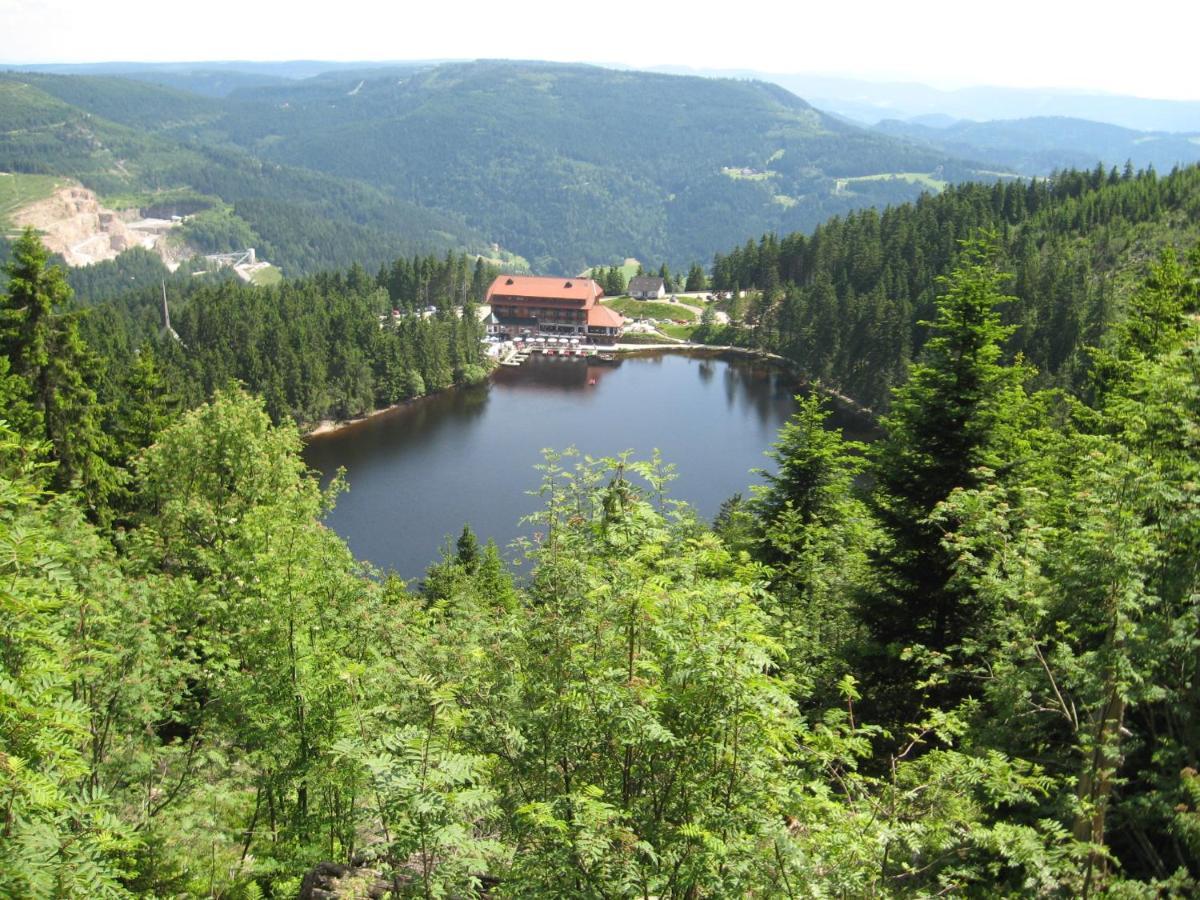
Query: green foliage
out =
(217, 231)
(856, 291)
(59, 835)
(54, 373)
(261, 615)
(641, 736)
(314, 348)
(948, 422)
(814, 535)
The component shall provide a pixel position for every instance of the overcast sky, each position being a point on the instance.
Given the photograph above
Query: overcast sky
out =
(1146, 48)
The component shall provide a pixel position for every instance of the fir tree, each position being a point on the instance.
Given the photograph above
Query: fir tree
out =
(943, 428)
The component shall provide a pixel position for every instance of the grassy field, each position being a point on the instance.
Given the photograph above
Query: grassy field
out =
(636, 338)
(17, 191)
(628, 270)
(649, 309)
(683, 332)
(266, 277)
(922, 178)
(140, 199)
(746, 175)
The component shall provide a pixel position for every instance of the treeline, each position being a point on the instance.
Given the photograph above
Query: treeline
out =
(612, 279)
(848, 302)
(333, 345)
(971, 672)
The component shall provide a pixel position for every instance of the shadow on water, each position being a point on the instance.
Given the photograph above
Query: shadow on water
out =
(418, 473)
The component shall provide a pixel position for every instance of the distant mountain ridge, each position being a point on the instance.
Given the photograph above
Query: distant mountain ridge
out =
(871, 101)
(867, 101)
(1038, 146)
(567, 165)
(577, 165)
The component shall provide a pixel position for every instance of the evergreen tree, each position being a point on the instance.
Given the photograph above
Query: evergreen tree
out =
(615, 284)
(57, 373)
(810, 530)
(467, 548)
(944, 427)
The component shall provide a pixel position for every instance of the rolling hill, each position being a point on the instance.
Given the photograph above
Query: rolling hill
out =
(1040, 145)
(565, 165)
(571, 165)
(136, 145)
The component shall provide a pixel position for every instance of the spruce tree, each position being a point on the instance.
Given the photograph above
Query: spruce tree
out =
(55, 373)
(944, 427)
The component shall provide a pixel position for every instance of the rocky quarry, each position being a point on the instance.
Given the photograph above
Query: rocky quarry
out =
(75, 225)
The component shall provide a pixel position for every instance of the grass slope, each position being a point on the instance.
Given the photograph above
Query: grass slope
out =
(17, 191)
(649, 309)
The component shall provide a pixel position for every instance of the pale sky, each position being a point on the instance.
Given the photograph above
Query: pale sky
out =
(1147, 49)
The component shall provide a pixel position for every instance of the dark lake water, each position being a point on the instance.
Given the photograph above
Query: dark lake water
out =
(418, 473)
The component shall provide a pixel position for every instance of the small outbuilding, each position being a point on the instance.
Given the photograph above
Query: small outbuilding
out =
(647, 287)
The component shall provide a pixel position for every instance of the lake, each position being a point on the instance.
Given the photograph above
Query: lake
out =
(418, 473)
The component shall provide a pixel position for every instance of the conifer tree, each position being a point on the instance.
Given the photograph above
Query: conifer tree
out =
(56, 372)
(944, 426)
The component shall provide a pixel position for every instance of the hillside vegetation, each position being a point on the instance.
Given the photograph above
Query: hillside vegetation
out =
(970, 672)
(568, 164)
(850, 303)
(1041, 145)
(145, 157)
(565, 165)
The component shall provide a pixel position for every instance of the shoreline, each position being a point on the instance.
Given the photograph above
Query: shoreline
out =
(756, 354)
(331, 426)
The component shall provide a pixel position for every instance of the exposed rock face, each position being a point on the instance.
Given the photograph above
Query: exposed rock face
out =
(334, 881)
(75, 225)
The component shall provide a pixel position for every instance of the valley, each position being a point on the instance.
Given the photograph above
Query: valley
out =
(413, 564)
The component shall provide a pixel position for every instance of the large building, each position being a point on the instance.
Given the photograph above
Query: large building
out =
(526, 306)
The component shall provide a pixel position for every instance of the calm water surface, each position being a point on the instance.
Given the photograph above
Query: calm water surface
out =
(418, 473)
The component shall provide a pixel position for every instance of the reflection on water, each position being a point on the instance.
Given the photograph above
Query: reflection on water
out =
(417, 474)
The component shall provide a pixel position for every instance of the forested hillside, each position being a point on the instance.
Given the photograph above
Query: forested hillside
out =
(568, 166)
(327, 346)
(971, 672)
(134, 145)
(1042, 145)
(849, 303)
(572, 165)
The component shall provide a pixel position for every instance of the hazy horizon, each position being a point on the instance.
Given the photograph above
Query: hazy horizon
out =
(1059, 47)
(664, 68)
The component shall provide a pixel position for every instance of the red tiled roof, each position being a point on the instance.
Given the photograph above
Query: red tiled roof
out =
(602, 317)
(579, 290)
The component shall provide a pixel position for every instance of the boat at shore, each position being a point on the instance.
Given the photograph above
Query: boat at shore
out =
(602, 359)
